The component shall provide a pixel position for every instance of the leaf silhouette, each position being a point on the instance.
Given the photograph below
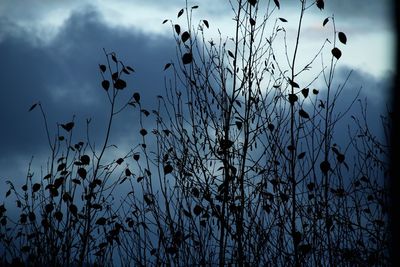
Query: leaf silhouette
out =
(165, 21)
(168, 169)
(292, 98)
(58, 182)
(336, 52)
(226, 144)
(206, 23)
(101, 221)
(68, 126)
(320, 4)
(23, 218)
(67, 197)
(187, 58)
(177, 29)
(49, 208)
(180, 13)
(305, 92)
(293, 84)
(325, 166)
(120, 84)
(115, 76)
(342, 37)
(85, 159)
(303, 114)
(252, 2)
(145, 112)
(143, 132)
(277, 3)
(119, 161)
(126, 71)
(252, 22)
(283, 19)
(197, 210)
(136, 97)
(310, 186)
(32, 107)
(301, 155)
(185, 36)
(105, 84)
(58, 215)
(73, 209)
(114, 57)
(82, 173)
(130, 69)
(231, 54)
(325, 21)
(167, 66)
(148, 198)
(35, 187)
(239, 124)
(32, 216)
(103, 68)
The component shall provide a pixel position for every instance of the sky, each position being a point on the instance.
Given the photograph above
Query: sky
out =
(50, 51)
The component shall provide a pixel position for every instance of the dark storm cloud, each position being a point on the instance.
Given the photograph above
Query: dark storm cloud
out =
(63, 75)
(375, 93)
(370, 15)
(360, 14)
(361, 8)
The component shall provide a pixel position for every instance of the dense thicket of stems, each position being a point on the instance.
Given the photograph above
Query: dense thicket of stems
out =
(242, 164)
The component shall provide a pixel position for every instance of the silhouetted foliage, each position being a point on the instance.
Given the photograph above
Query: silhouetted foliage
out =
(238, 164)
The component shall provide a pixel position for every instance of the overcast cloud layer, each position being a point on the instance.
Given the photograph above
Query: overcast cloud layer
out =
(50, 52)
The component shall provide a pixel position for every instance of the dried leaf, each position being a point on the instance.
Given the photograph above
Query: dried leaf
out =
(277, 4)
(185, 36)
(103, 68)
(303, 114)
(32, 107)
(252, 2)
(336, 52)
(180, 13)
(342, 37)
(325, 22)
(320, 4)
(167, 66)
(187, 58)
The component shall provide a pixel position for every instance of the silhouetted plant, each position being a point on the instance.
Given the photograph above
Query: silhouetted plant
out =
(67, 215)
(248, 168)
(242, 165)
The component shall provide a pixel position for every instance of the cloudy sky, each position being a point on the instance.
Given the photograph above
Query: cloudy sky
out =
(50, 50)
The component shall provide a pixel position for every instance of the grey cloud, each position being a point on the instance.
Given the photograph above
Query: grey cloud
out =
(361, 7)
(63, 75)
(365, 16)
(374, 92)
